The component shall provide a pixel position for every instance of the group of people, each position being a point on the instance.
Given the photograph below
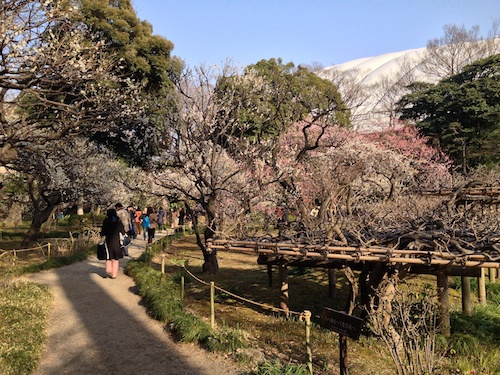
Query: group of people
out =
(170, 218)
(131, 222)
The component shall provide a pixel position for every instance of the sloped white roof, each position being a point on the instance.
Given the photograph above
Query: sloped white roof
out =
(379, 81)
(371, 69)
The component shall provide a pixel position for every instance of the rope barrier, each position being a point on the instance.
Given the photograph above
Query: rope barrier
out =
(40, 247)
(268, 307)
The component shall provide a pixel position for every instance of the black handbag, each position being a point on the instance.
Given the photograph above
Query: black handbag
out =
(124, 239)
(102, 251)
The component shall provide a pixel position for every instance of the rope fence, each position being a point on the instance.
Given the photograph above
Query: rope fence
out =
(55, 246)
(304, 316)
(11, 255)
(261, 305)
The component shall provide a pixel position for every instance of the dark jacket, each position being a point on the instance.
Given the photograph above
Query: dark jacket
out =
(111, 228)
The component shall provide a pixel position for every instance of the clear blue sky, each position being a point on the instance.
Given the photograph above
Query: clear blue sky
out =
(306, 31)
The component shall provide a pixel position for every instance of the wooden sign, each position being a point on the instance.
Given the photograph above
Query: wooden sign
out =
(342, 323)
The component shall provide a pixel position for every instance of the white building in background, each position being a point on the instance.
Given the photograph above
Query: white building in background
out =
(371, 86)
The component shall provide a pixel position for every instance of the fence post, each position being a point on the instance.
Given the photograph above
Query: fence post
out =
(72, 241)
(163, 264)
(306, 316)
(212, 305)
(148, 253)
(182, 282)
(48, 251)
(481, 290)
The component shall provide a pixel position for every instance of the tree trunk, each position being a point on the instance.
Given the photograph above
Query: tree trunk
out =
(210, 264)
(44, 204)
(39, 217)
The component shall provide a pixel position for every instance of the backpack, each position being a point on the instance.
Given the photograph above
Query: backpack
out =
(145, 222)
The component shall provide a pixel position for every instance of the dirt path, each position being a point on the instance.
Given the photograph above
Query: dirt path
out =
(98, 326)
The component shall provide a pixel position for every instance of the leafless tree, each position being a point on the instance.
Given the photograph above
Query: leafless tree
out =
(406, 321)
(205, 161)
(355, 93)
(446, 56)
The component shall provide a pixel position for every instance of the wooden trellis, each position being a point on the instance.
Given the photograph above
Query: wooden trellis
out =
(437, 259)
(489, 195)
(322, 254)
(441, 264)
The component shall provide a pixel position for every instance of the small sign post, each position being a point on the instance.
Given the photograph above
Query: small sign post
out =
(346, 326)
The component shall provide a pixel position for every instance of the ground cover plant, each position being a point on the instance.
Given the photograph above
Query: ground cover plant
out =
(25, 307)
(24, 310)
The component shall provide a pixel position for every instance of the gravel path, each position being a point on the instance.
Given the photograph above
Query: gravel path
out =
(99, 326)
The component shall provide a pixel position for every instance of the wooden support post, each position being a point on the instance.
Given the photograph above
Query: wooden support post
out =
(444, 301)
(466, 296)
(481, 290)
(270, 274)
(163, 264)
(212, 305)
(332, 281)
(284, 300)
(493, 275)
(182, 282)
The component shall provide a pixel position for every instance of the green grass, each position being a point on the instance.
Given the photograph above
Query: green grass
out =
(24, 309)
(163, 299)
(276, 368)
(474, 346)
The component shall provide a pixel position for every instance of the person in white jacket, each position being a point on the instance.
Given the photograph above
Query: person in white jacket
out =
(124, 217)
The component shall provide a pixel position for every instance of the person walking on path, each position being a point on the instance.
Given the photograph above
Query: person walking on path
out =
(131, 212)
(124, 217)
(111, 229)
(138, 221)
(153, 220)
(161, 219)
(145, 223)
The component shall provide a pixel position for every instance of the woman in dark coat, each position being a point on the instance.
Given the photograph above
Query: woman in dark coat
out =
(111, 228)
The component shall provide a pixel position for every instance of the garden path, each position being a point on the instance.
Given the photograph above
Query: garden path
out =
(99, 326)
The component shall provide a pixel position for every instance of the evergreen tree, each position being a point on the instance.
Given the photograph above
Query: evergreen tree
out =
(145, 59)
(461, 113)
(288, 94)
